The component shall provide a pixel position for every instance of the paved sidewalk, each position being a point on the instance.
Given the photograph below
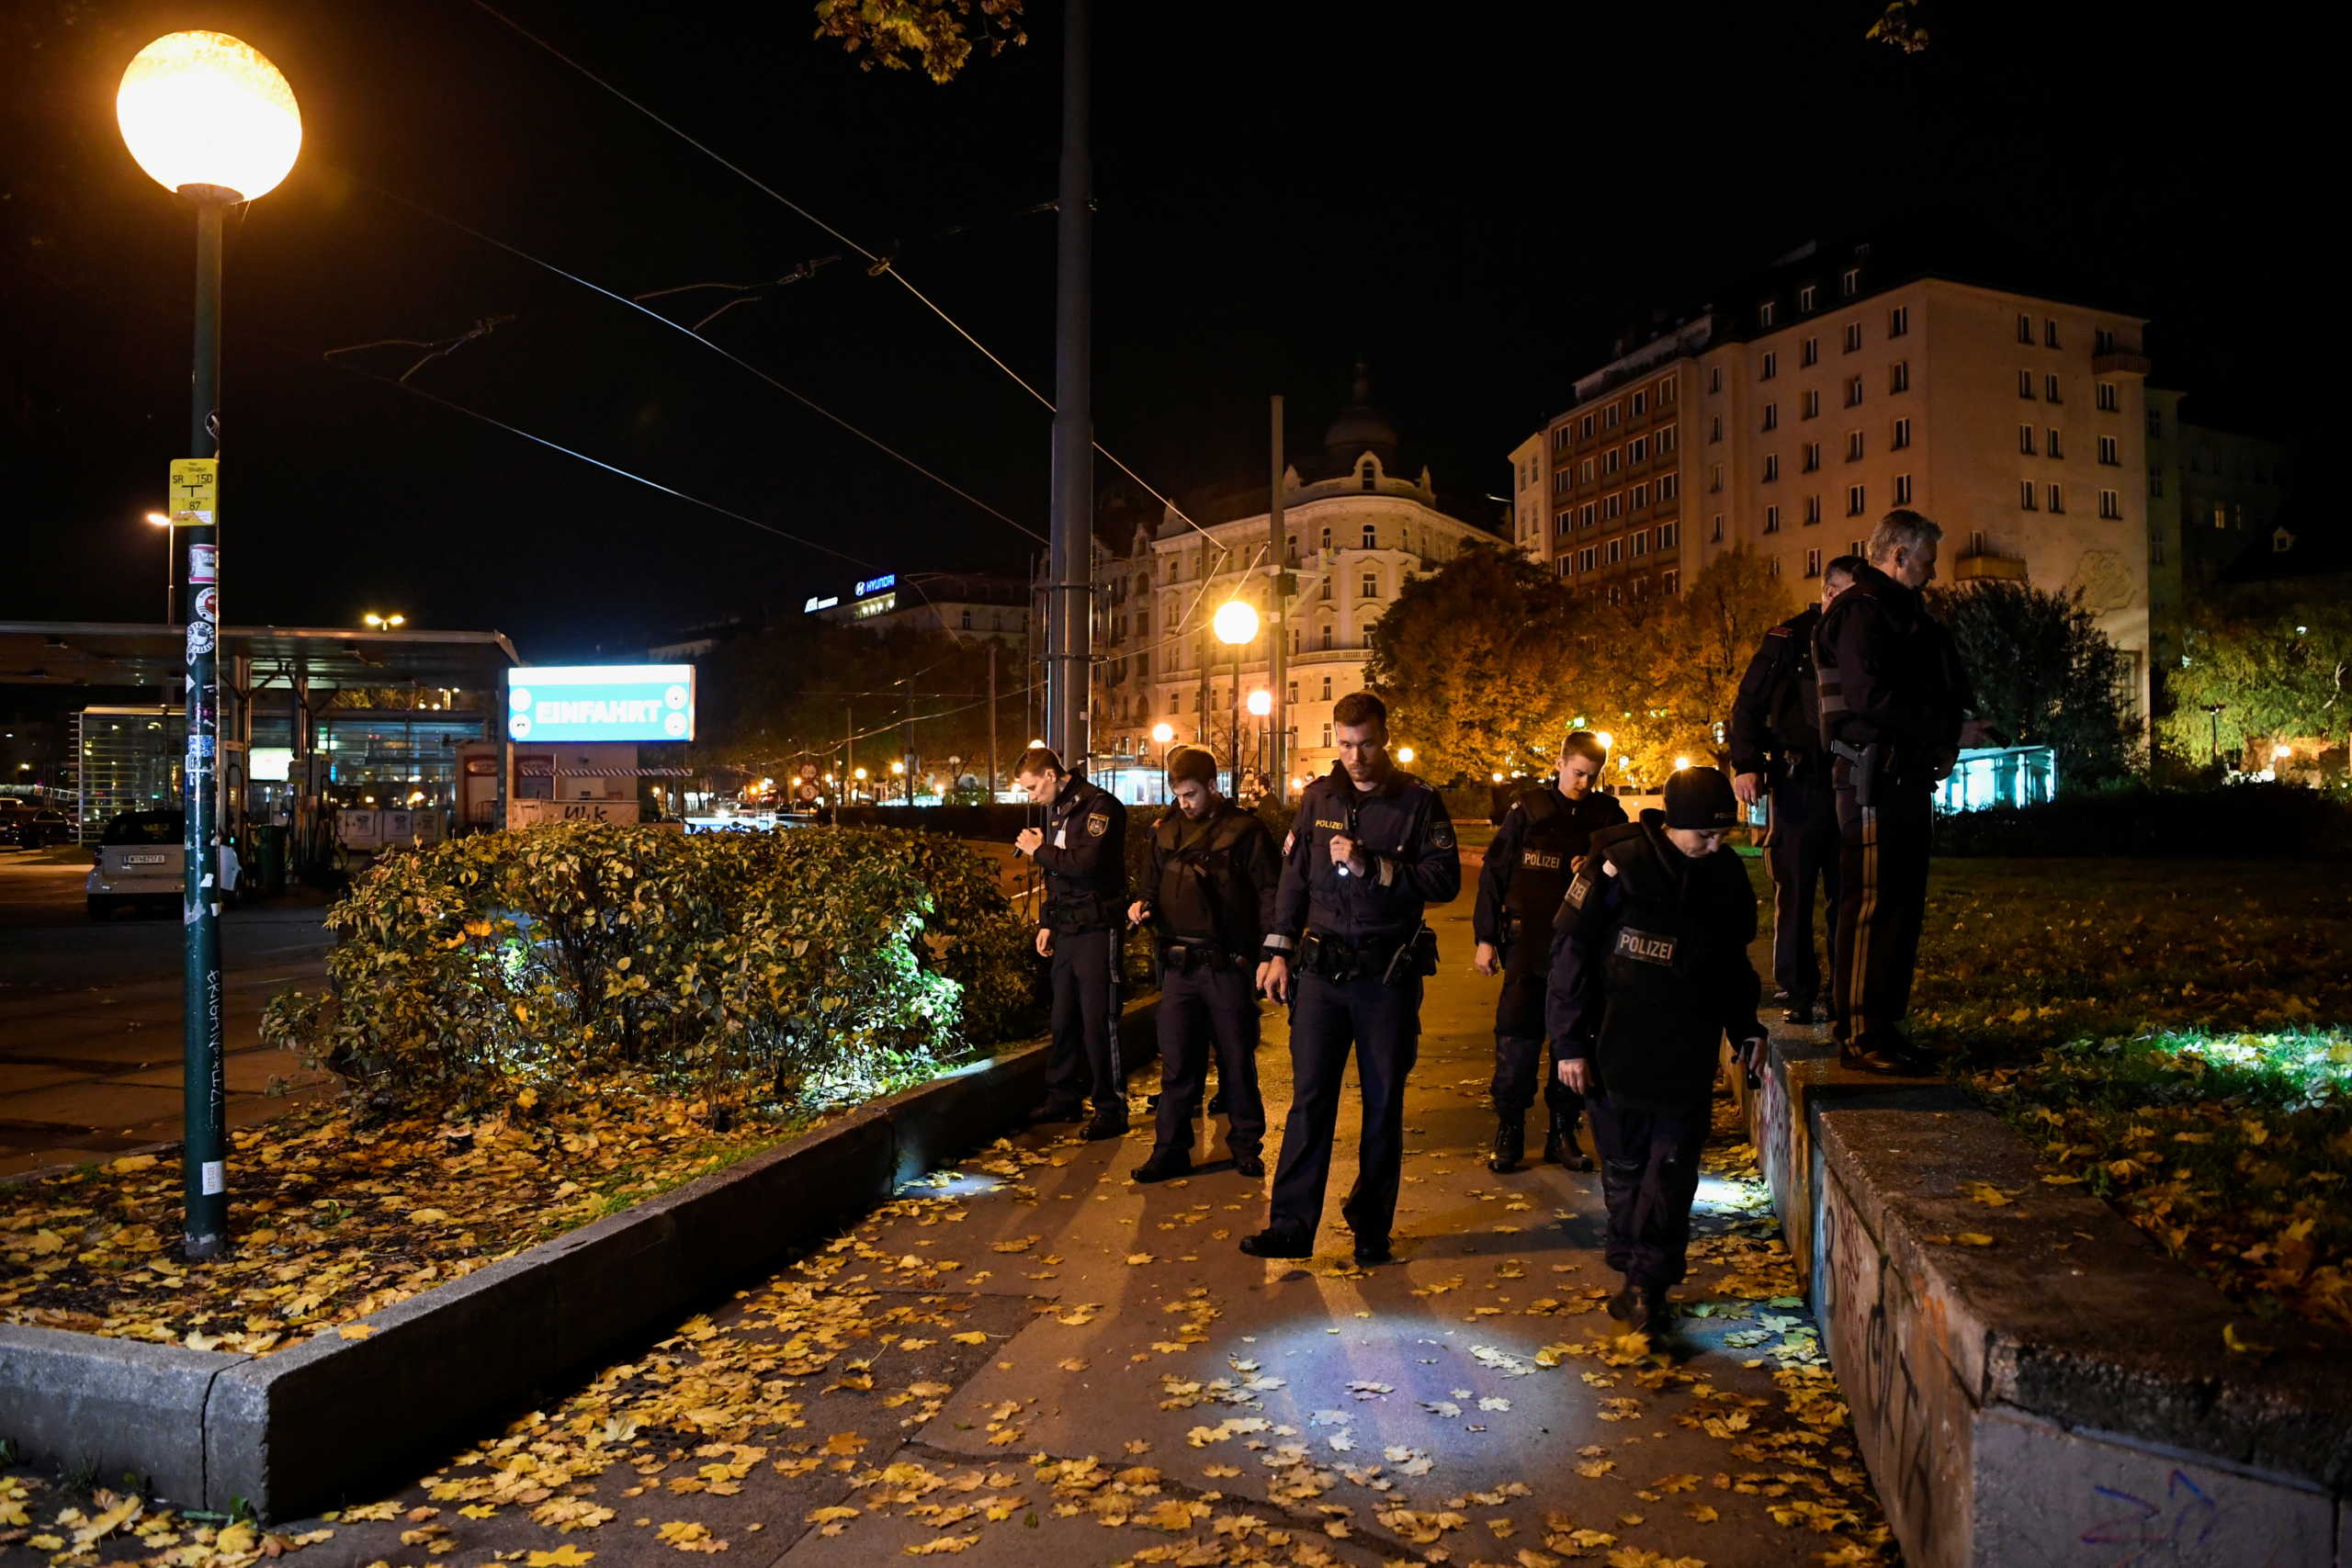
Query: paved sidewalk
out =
(1028, 1360)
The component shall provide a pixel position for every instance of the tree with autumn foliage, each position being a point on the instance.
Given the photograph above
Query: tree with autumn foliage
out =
(935, 37)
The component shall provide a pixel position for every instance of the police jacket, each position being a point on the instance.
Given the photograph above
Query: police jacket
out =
(1213, 882)
(1084, 858)
(1891, 674)
(1775, 721)
(1405, 837)
(1529, 864)
(1649, 966)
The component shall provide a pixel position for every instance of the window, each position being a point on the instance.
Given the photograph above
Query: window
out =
(2110, 503)
(1902, 436)
(1560, 482)
(1764, 314)
(2106, 452)
(1370, 586)
(1772, 567)
(1669, 486)
(2025, 385)
(1326, 634)
(1812, 457)
(1638, 450)
(2102, 341)
(1591, 513)
(1853, 337)
(2053, 443)
(1640, 544)
(1714, 427)
(2057, 498)
(1291, 694)
(1616, 551)
(1327, 688)
(2025, 439)
(1812, 563)
(1806, 295)
(1641, 496)
(1853, 391)
(1641, 402)
(1668, 534)
(1586, 472)
(1771, 416)
(1611, 414)
(1327, 538)
(968, 620)
(1327, 737)
(1587, 557)
(2025, 328)
(2110, 397)
(1771, 467)
(2155, 483)
(1665, 391)
(1771, 519)
(1853, 445)
(1770, 365)
(1326, 591)
(2050, 389)
(2049, 333)
(1371, 478)
(1856, 503)
(1898, 320)
(1902, 489)
(1371, 536)
(1609, 459)
(1567, 565)
(1849, 281)
(1670, 581)
(1812, 403)
(1714, 478)
(1142, 622)
(1716, 529)
(2025, 495)
(1715, 378)
(1812, 510)
(1811, 353)
(1559, 438)
(1898, 375)
(1586, 431)
(1560, 520)
(1665, 439)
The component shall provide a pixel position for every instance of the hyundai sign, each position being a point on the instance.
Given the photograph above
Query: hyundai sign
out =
(600, 702)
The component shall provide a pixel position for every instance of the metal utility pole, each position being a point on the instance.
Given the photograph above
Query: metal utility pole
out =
(907, 746)
(992, 719)
(1277, 601)
(203, 1086)
(1068, 621)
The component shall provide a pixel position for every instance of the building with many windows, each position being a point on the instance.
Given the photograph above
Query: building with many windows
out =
(1359, 523)
(968, 606)
(1848, 379)
(1531, 477)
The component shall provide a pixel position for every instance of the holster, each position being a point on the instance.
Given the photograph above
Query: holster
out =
(1865, 764)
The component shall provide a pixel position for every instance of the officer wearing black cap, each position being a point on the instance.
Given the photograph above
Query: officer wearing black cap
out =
(1209, 896)
(1372, 847)
(1649, 973)
(1776, 753)
(1894, 701)
(1082, 851)
(1534, 852)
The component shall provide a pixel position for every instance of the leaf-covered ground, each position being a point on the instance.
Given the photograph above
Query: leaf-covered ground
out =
(2174, 1036)
(332, 1221)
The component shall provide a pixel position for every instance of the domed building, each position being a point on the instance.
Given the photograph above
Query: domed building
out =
(1360, 523)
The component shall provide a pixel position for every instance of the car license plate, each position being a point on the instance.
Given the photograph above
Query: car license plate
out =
(145, 860)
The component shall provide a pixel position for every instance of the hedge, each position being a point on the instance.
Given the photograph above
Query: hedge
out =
(2234, 821)
(798, 965)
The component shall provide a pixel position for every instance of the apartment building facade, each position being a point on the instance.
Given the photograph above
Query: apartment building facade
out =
(1839, 384)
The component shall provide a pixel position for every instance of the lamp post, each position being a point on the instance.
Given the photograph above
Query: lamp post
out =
(211, 119)
(1235, 625)
(1261, 704)
(2213, 717)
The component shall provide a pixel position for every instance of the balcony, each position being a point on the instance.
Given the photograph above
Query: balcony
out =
(2121, 362)
(1987, 567)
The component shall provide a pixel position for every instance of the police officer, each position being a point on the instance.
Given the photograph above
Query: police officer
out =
(1649, 972)
(1082, 851)
(1893, 701)
(1210, 897)
(1528, 866)
(1776, 752)
(1371, 846)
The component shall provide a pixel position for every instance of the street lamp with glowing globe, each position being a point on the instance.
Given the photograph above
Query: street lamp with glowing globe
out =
(1236, 624)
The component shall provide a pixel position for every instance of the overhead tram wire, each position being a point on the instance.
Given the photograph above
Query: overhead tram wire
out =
(877, 263)
(724, 352)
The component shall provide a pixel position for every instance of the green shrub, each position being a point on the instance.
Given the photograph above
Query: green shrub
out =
(812, 965)
(2235, 821)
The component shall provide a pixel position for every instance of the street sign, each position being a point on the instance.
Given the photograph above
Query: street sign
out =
(196, 490)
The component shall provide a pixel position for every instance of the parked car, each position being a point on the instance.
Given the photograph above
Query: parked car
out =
(140, 862)
(29, 825)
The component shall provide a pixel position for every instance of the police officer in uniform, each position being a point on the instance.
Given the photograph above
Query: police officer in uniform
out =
(1776, 752)
(1894, 706)
(1370, 848)
(1209, 896)
(1649, 972)
(1528, 866)
(1082, 851)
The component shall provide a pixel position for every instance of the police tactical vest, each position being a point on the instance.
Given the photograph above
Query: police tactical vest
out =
(1201, 895)
(1078, 901)
(1661, 1017)
(1794, 710)
(1547, 853)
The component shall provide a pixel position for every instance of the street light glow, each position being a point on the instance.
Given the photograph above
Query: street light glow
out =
(1405, 755)
(205, 109)
(897, 767)
(158, 519)
(1262, 701)
(384, 622)
(861, 774)
(1163, 733)
(1608, 741)
(1680, 763)
(1236, 622)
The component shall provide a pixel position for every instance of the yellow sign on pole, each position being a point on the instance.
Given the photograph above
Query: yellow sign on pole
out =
(196, 490)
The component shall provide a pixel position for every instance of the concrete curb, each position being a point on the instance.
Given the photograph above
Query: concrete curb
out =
(2063, 1389)
(278, 1431)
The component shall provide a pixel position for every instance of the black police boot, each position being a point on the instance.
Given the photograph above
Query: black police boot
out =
(1649, 1313)
(1560, 1145)
(1217, 1102)
(1373, 1250)
(1110, 1121)
(1163, 1165)
(1626, 1301)
(1802, 1012)
(1250, 1162)
(1892, 1056)
(1510, 1141)
(1049, 1111)
(1279, 1241)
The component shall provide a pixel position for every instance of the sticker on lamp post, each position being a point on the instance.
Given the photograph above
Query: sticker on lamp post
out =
(203, 563)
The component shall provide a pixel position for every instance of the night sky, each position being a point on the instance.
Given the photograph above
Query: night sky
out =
(1476, 198)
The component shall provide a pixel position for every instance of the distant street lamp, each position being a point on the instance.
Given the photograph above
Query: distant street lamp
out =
(171, 568)
(1236, 624)
(1608, 741)
(208, 118)
(2213, 717)
(1405, 755)
(384, 622)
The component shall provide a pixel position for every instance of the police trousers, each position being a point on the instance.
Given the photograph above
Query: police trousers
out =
(1881, 900)
(1083, 1062)
(1519, 1053)
(1197, 1009)
(1804, 850)
(1381, 1024)
(1649, 1174)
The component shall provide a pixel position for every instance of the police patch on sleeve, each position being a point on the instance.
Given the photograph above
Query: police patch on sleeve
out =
(1442, 834)
(1098, 824)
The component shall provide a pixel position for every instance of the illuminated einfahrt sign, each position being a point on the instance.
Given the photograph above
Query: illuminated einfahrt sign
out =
(600, 702)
